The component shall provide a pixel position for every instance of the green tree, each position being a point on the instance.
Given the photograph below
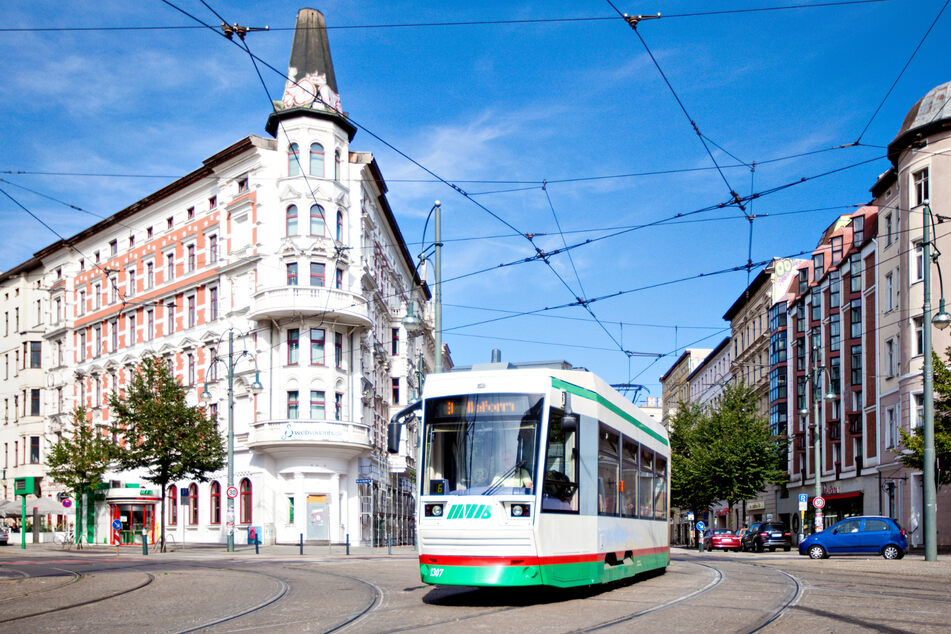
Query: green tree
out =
(79, 460)
(163, 435)
(723, 453)
(915, 441)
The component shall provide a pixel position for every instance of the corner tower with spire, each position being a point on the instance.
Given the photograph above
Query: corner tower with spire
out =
(311, 86)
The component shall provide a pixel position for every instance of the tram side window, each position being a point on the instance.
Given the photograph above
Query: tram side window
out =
(629, 477)
(660, 487)
(608, 446)
(645, 484)
(560, 492)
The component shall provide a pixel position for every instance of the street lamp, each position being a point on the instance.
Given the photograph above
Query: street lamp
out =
(828, 396)
(256, 388)
(941, 321)
(437, 271)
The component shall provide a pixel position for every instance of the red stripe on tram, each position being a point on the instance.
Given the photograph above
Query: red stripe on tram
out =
(467, 560)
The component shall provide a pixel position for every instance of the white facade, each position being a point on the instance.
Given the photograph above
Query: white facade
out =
(288, 247)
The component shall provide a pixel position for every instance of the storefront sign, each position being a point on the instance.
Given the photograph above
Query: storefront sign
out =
(755, 505)
(311, 431)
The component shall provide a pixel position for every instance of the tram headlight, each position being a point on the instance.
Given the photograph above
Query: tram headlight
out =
(433, 510)
(520, 510)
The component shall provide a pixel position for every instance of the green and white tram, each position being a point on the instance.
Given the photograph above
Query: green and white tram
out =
(538, 476)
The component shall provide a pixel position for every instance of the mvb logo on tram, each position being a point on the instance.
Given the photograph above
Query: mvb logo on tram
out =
(469, 511)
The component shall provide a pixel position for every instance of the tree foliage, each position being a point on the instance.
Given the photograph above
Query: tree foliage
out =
(915, 441)
(164, 436)
(723, 453)
(79, 460)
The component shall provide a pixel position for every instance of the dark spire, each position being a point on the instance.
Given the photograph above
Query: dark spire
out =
(310, 52)
(311, 86)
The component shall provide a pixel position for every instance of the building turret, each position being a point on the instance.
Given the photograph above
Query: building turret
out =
(311, 86)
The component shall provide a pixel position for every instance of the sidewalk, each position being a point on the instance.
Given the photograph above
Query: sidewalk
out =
(214, 551)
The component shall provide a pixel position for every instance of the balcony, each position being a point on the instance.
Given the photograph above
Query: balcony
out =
(289, 301)
(342, 438)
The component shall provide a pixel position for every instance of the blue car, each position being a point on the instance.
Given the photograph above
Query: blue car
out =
(858, 535)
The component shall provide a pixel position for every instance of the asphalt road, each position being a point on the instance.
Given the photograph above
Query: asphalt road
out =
(45, 590)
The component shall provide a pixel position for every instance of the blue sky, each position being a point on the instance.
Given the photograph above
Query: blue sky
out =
(514, 105)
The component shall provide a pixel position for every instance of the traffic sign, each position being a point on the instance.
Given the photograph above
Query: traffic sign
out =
(67, 503)
(803, 498)
(116, 524)
(701, 526)
(818, 502)
(232, 492)
(363, 480)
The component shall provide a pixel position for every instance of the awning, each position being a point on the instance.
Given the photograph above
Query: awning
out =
(45, 506)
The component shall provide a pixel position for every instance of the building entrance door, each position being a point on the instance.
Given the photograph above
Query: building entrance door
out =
(317, 517)
(133, 519)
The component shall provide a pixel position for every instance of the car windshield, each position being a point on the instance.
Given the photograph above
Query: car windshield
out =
(481, 444)
(722, 531)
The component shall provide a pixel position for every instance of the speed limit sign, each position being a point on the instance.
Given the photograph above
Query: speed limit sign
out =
(232, 492)
(818, 502)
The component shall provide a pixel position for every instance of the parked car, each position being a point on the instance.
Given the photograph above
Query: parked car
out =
(723, 539)
(4, 534)
(763, 535)
(858, 535)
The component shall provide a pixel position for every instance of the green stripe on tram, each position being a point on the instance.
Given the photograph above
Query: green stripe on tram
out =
(597, 398)
(561, 575)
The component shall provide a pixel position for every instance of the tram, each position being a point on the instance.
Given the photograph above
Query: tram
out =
(537, 475)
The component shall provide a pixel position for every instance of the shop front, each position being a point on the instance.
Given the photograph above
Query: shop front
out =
(131, 515)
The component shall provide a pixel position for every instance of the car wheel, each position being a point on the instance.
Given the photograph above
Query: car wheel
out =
(891, 552)
(787, 548)
(772, 549)
(817, 552)
(757, 548)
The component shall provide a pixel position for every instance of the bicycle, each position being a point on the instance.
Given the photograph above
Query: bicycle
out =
(66, 540)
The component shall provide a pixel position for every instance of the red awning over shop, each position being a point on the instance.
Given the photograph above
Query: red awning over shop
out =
(838, 496)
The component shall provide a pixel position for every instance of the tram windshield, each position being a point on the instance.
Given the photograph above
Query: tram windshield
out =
(481, 444)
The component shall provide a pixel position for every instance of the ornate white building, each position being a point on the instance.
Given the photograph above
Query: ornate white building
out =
(288, 247)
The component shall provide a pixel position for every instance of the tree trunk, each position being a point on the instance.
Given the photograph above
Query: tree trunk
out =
(79, 520)
(162, 523)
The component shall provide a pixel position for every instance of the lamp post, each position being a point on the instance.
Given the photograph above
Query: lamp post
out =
(256, 388)
(437, 271)
(941, 321)
(817, 398)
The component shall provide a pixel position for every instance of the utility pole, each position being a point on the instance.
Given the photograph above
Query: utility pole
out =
(928, 454)
(437, 362)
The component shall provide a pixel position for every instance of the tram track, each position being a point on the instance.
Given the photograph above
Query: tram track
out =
(283, 588)
(717, 579)
(62, 608)
(75, 576)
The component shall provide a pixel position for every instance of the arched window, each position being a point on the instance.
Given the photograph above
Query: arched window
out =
(337, 165)
(316, 159)
(291, 221)
(339, 226)
(293, 160)
(172, 503)
(215, 503)
(244, 515)
(193, 504)
(317, 224)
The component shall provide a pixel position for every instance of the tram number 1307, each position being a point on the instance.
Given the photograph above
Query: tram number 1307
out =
(436, 572)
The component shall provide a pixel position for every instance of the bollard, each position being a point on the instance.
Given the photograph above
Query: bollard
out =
(348, 543)
(145, 543)
(302, 543)
(257, 542)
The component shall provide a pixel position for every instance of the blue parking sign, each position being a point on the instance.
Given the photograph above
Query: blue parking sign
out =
(803, 498)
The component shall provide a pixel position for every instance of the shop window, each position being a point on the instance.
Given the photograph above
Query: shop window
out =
(193, 504)
(171, 501)
(244, 515)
